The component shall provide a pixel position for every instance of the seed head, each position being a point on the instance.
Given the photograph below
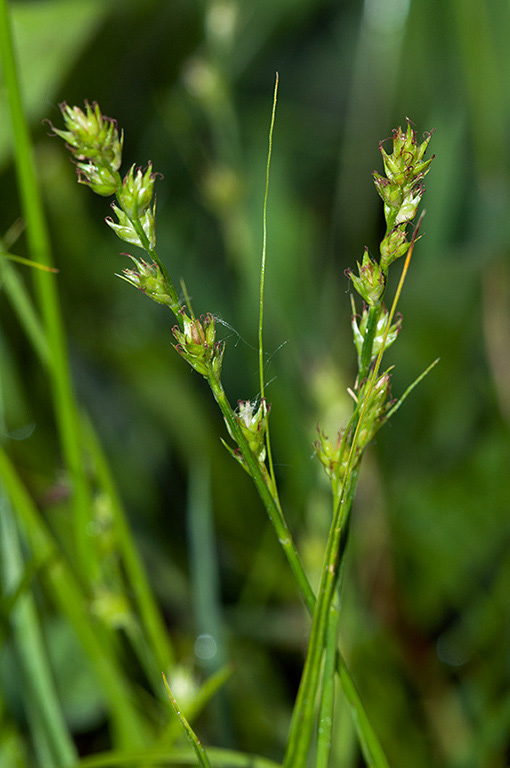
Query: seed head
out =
(197, 344)
(136, 192)
(371, 283)
(149, 279)
(91, 136)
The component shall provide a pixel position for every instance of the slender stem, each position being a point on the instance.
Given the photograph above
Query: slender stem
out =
(270, 503)
(370, 745)
(209, 689)
(262, 280)
(409, 390)
(368, 739)
(326, 710)
(303, 716)
(393, 309)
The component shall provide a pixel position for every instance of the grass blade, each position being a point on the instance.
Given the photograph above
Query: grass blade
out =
(190, 733)
(42, 704)
(39, 247)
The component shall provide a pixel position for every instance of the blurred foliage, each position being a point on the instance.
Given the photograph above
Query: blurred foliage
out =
(426, 612)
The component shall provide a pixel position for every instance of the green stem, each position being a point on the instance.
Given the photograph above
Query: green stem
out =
(326, 710)
(39, 247)
(367, 737)
(190, 733)
(270, 502)
(368, 342)
(302, 723)
(262, 281)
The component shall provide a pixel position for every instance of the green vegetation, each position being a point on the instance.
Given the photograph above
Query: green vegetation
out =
(132, 544)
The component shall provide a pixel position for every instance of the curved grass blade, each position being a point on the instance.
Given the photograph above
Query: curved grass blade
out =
(28, 262)
(190, 733)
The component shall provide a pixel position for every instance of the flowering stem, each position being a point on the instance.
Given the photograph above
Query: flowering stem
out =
(269, 500)
(368, 739)
(303, 716)
(91, 134)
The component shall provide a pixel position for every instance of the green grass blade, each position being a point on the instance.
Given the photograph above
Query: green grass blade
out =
(38, 689)
(52, 739)
(209, 688)
(27, 262)
(39, 247)
(190, 733)
(409, 390)
(149, 612)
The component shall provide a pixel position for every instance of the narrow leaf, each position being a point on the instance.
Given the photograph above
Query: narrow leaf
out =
(190, 733)
(409, 390)
(28, 262)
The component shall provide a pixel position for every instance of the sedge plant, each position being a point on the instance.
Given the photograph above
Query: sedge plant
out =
(96, 145)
